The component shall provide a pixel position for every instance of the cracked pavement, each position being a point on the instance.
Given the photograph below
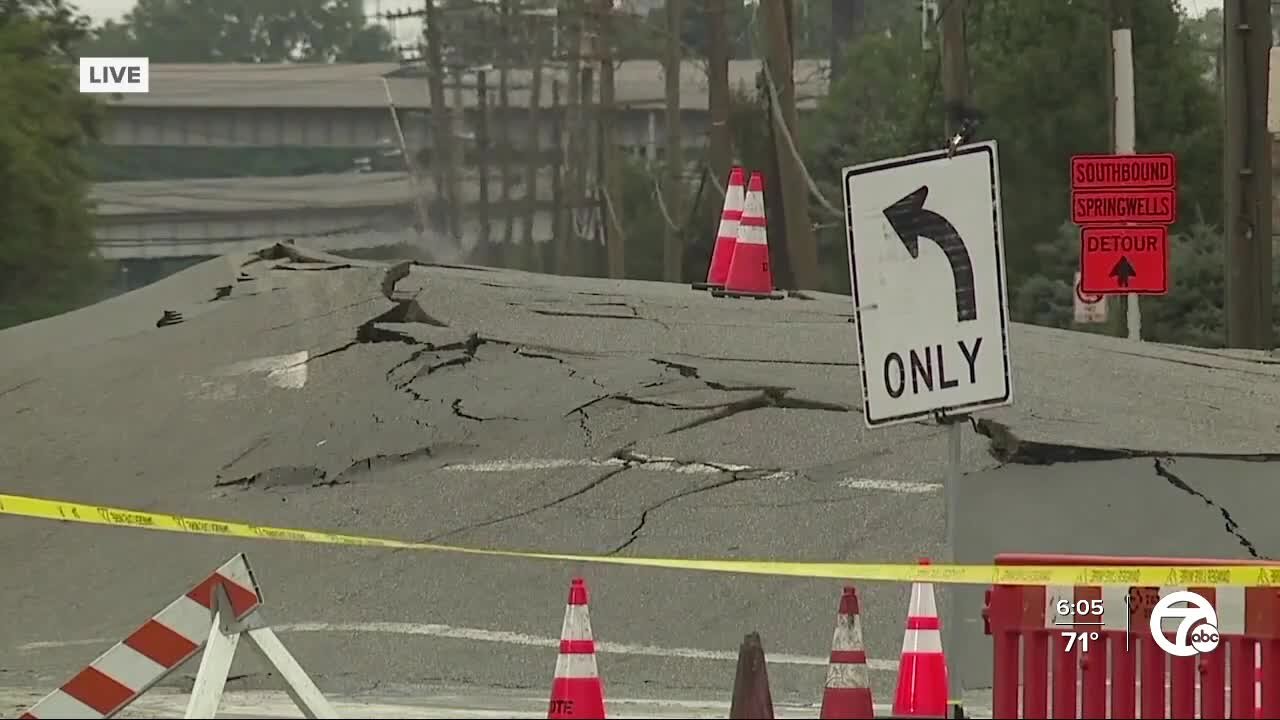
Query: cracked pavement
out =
(496, 408)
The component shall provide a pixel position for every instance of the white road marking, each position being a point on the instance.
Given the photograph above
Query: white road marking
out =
(670, 464)
(648, 462)
(286, 371)
(167, 703)
(503, 636)
(496, 466)
(897, 486)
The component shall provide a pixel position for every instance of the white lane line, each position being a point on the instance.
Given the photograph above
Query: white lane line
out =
(507, 637)
(167, 703)
(496, 466)
(670, 464)
(648, 462)
(897, 486)
(286, 371)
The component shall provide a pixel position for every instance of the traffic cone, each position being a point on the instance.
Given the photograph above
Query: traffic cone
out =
(749, 274)
(576, 691)
(727, 235)
(848, 690)
(922, 672)
(752, 699)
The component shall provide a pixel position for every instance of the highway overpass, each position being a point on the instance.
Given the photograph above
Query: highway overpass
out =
(346, 105)
(152, 220)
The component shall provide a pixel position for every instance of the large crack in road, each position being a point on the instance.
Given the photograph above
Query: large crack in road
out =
(1008, 448)
(428, 358)
(1228, 522)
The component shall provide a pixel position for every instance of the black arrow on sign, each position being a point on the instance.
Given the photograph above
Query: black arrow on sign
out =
(911, 222)
(1123, 271)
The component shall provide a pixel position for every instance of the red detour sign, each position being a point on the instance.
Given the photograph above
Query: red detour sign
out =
(1119, 260)
(1153, 207)
(1124, 172)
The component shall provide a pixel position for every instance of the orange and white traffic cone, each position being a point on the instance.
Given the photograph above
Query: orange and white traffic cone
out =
(750, 275)
(727, 234)
(848, 691)
(576, 691)
(922, 672)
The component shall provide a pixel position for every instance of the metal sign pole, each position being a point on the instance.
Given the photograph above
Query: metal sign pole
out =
(951, 634)
(1125, 137)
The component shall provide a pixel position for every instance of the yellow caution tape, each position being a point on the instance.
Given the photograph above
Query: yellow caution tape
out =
(1140, 576)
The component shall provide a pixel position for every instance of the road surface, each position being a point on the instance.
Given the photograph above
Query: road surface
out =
(495, 408)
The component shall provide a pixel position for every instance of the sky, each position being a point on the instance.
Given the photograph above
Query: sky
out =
(101, 10)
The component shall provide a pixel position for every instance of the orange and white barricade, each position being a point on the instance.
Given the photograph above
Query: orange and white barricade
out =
(212, 617)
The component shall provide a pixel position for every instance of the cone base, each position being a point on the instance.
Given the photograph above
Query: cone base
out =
(724, 292)
(847, 704)
(922, 686)
(573, 698)
(707, 286)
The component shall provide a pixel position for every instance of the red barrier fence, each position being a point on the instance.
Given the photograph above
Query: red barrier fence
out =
(1032, 660)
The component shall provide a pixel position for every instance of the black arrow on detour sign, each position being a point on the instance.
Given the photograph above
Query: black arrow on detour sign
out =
(911, 221)
(1123, 271)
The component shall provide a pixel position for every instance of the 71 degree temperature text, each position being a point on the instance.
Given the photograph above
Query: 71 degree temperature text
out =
(1079, 638)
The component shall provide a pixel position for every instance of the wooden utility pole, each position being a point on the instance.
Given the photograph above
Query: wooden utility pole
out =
(570, 142)
(485, 242)
(847, 18)
(504, 57)
(800, 242)
(534, 152)
(584, 244)
(446, 172)
(411, 165)
(721, 150)
(1246, 172)
(610, 157)
(955, 64)
(673, 149)
(558, 231)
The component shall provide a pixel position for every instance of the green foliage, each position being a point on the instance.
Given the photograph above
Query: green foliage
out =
(263, 31)
(47, 263)
(1190, 314)
(1040, 80)
(886, 107)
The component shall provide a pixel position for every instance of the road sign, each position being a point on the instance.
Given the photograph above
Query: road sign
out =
(1089, 309)
(926, 262)
(1129, 172)
(1091, 207)
(1118, 260)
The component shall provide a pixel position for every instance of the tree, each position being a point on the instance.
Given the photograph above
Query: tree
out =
(263, 31)
(47, 260)
(888, 106)
(1040, 82)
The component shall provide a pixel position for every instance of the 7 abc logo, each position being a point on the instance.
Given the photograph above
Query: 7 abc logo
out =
(1197, 630)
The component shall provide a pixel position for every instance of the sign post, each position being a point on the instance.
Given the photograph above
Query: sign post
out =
(926, 266)
(1117, 190)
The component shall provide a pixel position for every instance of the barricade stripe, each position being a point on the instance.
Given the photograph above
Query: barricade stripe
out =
(98, 690)
(161, 644)
(1033, 575)
(130, 668)
(59, 704)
